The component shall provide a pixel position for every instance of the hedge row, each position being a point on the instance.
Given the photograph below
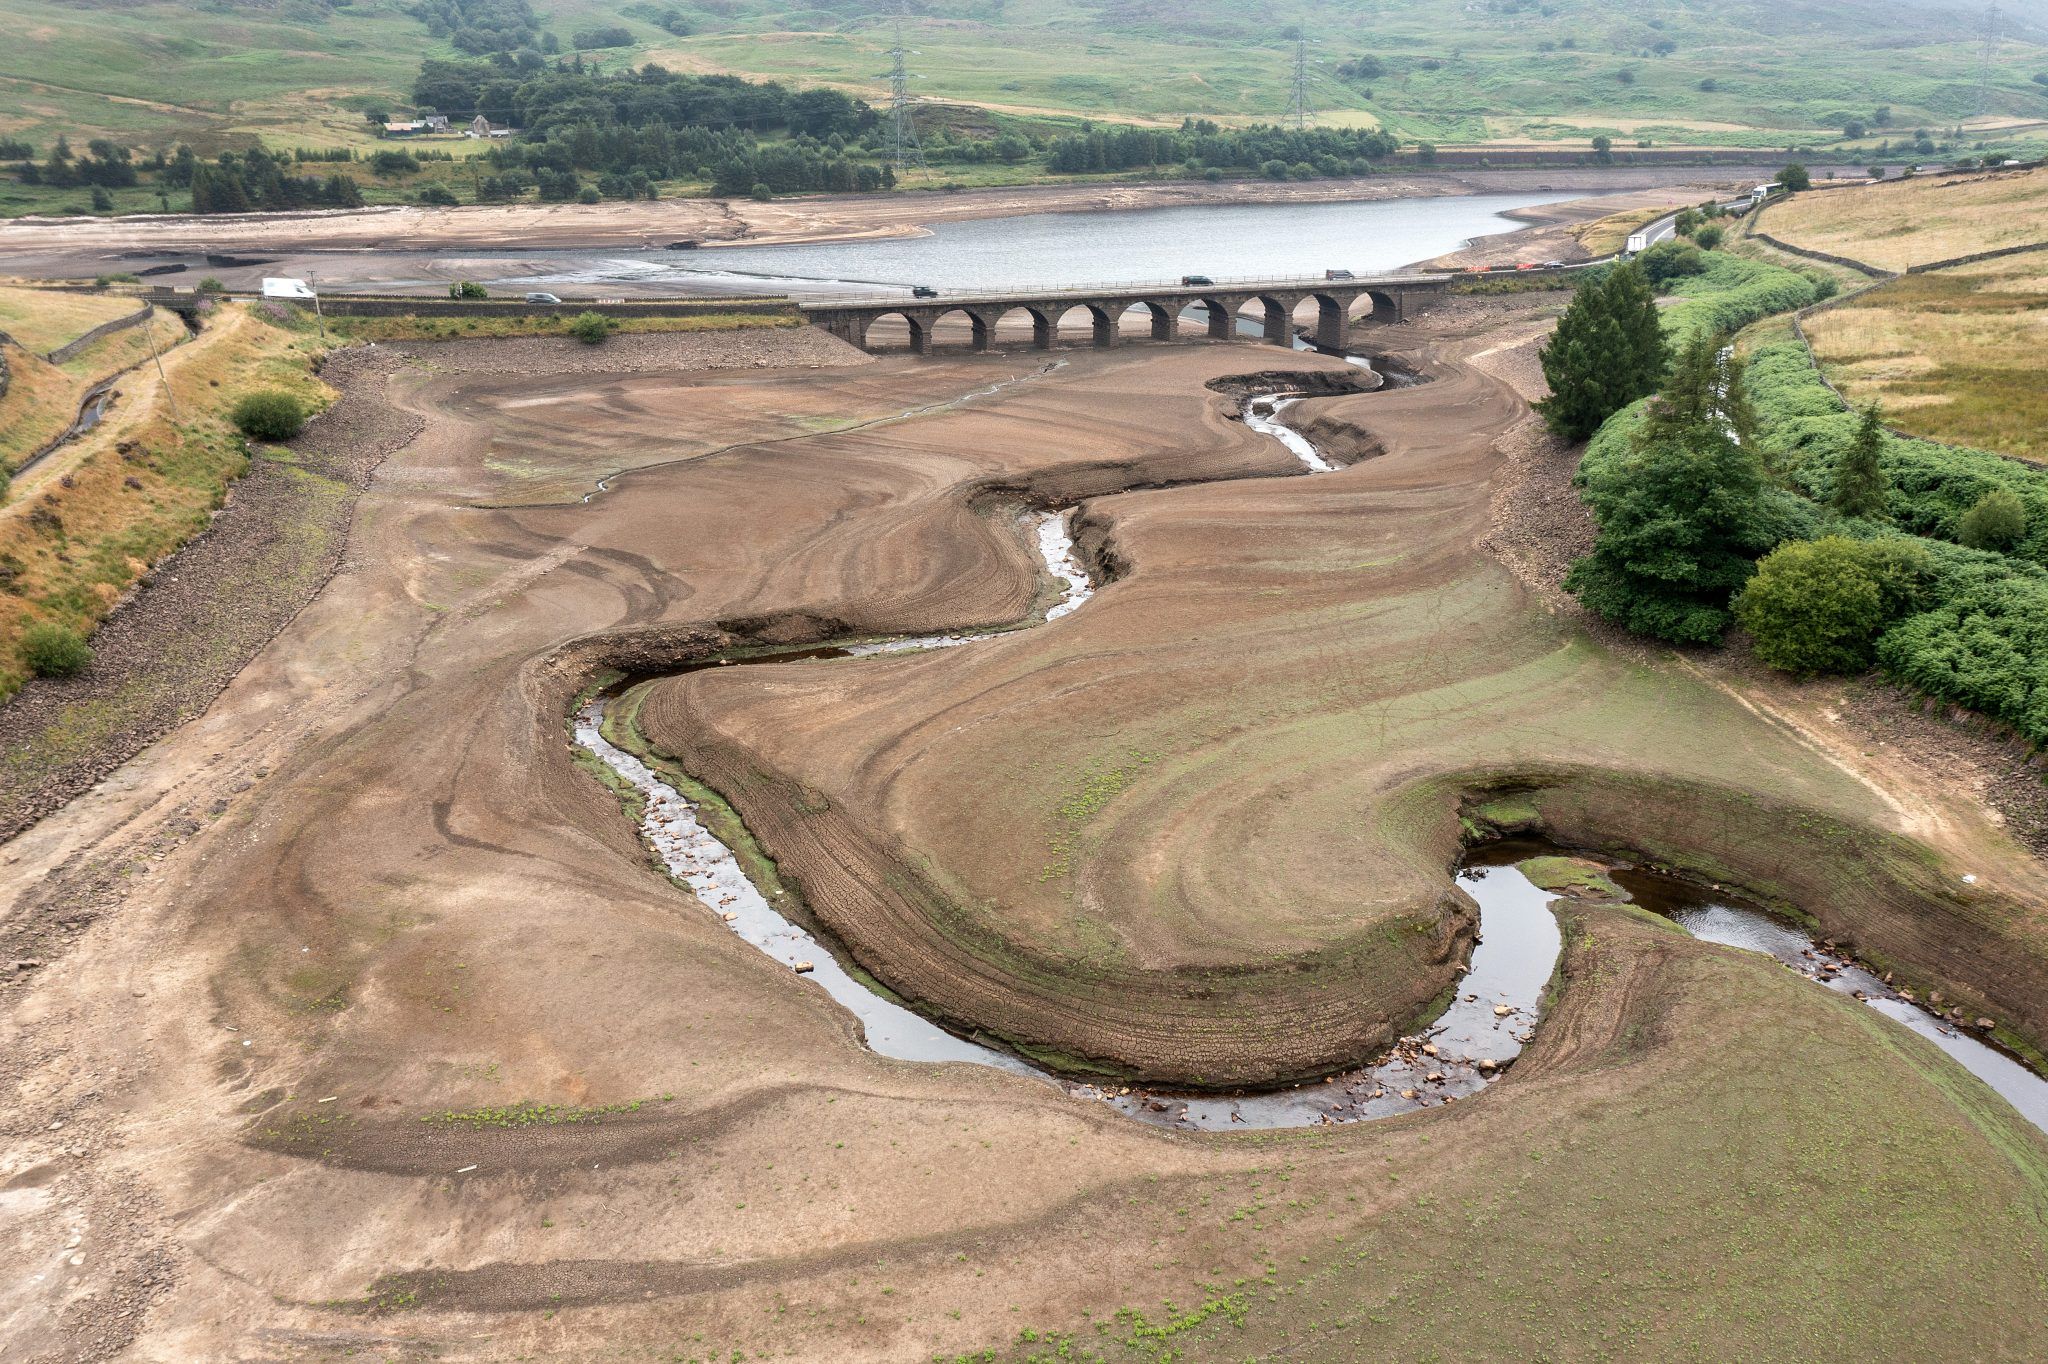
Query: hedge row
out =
(1733, 292)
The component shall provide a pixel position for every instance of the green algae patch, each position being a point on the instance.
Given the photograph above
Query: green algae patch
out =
(1573, 876)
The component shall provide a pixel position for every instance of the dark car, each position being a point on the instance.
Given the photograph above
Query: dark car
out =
(1200, 281)
(923, 291)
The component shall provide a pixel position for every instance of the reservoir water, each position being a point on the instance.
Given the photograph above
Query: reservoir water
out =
(1049, 250)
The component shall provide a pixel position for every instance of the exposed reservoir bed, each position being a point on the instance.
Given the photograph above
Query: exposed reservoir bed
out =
(1493, 1009)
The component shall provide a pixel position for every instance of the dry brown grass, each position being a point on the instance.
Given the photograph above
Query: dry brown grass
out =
(43, 398)
(76, 541)
(1605, 236)
(43, 319)
(1912, 222)
(1953, 354)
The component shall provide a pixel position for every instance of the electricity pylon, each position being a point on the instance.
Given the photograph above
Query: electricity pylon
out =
(903, 148)
(1297, 105)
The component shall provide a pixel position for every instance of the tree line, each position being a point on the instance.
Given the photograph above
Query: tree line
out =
(1325, 151)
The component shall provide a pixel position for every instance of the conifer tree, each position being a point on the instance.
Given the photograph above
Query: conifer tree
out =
(1860, 485)
(1607, 352)
(1684, 515)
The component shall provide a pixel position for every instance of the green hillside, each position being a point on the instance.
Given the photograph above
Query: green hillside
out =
(300, 72)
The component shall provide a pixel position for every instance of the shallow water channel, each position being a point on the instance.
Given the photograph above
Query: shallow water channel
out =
(1494, 1008)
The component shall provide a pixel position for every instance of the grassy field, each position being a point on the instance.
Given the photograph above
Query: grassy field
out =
(153, 74)
(43, 398)
(1605, 236)
(41, 320)
(71, 547)
(1953, 354)
(1913, 222)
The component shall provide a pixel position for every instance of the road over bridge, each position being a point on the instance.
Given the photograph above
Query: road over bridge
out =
(1394, 297)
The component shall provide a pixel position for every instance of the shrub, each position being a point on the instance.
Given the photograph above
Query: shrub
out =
(467, 289)
(1795, 178)
(761, 193)
(1997, 520)
(1984, 644)
(1818, 606)
(1709, 236)
(212, 285)
(609, 35)
(1674, 259)
(269, 414)
(438, 196)
(53, 650)
(590, 328)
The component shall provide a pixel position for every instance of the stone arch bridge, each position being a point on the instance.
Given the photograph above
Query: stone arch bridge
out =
(1394, 298)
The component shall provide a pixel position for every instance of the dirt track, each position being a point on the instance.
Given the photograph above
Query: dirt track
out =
(373, 875)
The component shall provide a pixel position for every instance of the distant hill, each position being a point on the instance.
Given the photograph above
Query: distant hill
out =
(1763, 75)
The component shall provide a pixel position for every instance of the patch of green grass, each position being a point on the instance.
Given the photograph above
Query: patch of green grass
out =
(528, 1113)
(1571, 876)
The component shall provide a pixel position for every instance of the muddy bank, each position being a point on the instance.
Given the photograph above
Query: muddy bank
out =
(39, 246)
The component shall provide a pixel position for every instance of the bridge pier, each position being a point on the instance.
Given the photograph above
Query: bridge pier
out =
(1331, 322)
(1105, 319)
(1165, 322)
(1222, 320)
(1279, 319)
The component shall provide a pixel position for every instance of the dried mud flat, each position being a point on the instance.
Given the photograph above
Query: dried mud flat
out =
(387, 1041)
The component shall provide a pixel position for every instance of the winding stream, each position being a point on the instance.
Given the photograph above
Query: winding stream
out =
(1496, 1003)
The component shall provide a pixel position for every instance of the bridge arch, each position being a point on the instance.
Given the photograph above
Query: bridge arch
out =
(1275, 315)
(895, 322)
(1381, 307)
(1102, 321)
(1044, 328)
(979, 332)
